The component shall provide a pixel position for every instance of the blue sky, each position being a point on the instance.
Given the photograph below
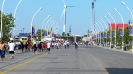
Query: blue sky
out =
(78, 17)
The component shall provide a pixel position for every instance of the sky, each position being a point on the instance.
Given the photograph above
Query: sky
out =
(79, 17)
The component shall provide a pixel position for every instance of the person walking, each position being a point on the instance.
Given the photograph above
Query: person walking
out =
(76, 45)
(22, 46)
(48, 47)
(11, 49)
(2, 51)
(65, 44)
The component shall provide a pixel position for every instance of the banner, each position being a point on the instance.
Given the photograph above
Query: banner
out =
(99, 35)
(54, 35)
(33, 30)
(114, 34)
(95, 37)
(42, 32)
(121, 32)
(105, 35)
(45, 33)
(108, 34)
(130, 30)
(49, 32)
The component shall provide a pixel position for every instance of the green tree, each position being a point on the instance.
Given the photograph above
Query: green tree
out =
(63, 34)
(39, 34)
(7, 25)
(68, 34)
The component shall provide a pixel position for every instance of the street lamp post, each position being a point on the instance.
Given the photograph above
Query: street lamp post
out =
(23, 30)
(51, 25)
(123, 27)
(47, 23)
(131, 15)
(54, 28)
(43, 23)
(103, 30)
(106, 31)
(115, 27)
(2, 17)
(97, 39)
(93, 15)
(33, 19)
(15, 15)
(57, 29)
(110, 31)
(99, 32)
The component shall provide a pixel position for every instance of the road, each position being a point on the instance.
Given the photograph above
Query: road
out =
(85, 60)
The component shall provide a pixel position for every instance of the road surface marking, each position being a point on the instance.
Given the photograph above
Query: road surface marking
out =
(99, 64)
(21, 64)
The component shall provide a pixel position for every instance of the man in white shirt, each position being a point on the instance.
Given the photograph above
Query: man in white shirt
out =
(48, 47)
(11, 49)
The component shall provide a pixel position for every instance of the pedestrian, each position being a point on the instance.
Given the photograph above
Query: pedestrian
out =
(26, 46)
(68, 44)
(48, 47)
(2, 51)
(22, 46)
(65, 44)
(11, 49)
(6, 48)
(76, 45)
(35, 48)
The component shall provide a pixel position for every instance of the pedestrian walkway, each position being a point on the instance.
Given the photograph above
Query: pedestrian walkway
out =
(114, 49)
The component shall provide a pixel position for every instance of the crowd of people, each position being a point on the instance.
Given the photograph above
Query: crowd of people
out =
(35, 47)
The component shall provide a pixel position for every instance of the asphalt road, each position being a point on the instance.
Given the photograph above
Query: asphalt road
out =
(85, 60)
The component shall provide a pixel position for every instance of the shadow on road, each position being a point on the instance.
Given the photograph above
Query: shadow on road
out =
(120, 70)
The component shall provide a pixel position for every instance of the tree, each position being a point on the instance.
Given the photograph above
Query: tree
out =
(63, 34)
(68, 34)
(39, 34)
(7, 25)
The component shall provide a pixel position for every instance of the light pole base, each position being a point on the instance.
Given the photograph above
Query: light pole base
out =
(132, 49)
(122, 48)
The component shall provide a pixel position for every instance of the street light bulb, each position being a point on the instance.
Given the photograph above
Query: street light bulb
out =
(123, 3)
(115, 9)
(108, 14)
(40, 8)
(48, 15)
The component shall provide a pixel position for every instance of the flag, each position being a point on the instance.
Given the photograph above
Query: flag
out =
(43, 32)
(33, 30)
(129, 22)
(108, 34)
(99, 36)
(121, 32)
(55, 36)
(105, 35)
(49, 32)
(130, 30)
(114, 34)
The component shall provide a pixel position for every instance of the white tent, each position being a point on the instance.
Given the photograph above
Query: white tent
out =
(86, 38)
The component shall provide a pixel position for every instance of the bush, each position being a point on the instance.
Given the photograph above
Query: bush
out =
(129, 47)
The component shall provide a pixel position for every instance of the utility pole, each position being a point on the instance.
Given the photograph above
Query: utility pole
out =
(23, 30)
(93, 15)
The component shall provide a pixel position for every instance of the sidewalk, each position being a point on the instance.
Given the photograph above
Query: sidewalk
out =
(114, 49)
